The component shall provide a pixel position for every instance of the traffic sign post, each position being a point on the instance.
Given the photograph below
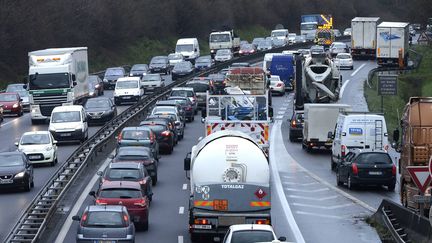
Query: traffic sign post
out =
(387, 85)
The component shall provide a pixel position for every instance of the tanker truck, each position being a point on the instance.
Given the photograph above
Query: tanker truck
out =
(229, 184)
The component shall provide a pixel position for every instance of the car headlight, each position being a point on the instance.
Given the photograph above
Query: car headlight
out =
(19, 175)
(48, 148)
(91, 93)
(105, 80)
(78, 127)
(15, 105)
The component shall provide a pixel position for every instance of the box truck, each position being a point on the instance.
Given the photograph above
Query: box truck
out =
(364, 36)
(392, 44)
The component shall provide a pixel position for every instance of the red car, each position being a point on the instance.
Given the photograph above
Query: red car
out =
(12, 103)
(128, 194)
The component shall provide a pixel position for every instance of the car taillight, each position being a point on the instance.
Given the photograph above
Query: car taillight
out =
(119, 138)
(279, 85)
(97, 86)
(354, 168)
(100, 202)
(394, 170)
(152, 138)
(262, 221)
(240, 51)
(252, 51)
(201, 221)
(141, 203)
(83, 218)
(166, 133)
(126, 220)
(189, 108)
(293, 123)
(142, 182)
(343, 147)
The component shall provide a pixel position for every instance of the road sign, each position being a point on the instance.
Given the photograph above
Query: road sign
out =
(422, 199)
(420, 176)
(387, 84)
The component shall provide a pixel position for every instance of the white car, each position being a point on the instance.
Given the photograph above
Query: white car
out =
(175, 58)
(223, 55)
(40, 147)
(344, 60)
(292, 38)
(251, 233)
(152, 81)
(277, 85)
(128, 89)
(347, 32)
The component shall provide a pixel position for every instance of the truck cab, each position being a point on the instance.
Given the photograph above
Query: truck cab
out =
(188, 48)
(223, 40)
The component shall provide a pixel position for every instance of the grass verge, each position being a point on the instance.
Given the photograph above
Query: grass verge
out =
(414, 83)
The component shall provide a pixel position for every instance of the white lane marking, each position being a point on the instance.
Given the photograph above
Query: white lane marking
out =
(343, 87)
(14, 120)
(181, 210)
(68, 223)
(299, 184)
(279, 117)
(180, 239)
(281, 112)
(283, 108)
(358, 69)
(305, 190)
(323, 207)
(313, 198)
(277, 185)
(319, 215)
(184, 186)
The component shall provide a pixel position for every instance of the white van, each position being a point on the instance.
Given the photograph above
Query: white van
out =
(281, 34)
(358, 130)
(128, 89)
(189, 48)
(69, 123)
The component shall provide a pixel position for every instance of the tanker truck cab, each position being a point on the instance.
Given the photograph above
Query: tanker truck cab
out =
(358, 131)
(189, 48)
(229, 184)
(69, 123)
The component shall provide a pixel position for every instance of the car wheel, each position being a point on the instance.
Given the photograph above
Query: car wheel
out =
(154, 180)
(338, 180)
(145, 226)
(54, 162)
(291, 138)
(181, 137)
(28, 186)
(349, 183)
(20, 113)
(170, 150)
(391, 187)
(333, 164)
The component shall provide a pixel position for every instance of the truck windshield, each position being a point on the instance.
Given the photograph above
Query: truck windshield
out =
(308, 26)
(278, 33)
(220, 38)
(182, 48)
(49, 81)
(65, 116)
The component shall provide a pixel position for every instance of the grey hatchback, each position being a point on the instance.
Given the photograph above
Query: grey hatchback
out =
(107, 223)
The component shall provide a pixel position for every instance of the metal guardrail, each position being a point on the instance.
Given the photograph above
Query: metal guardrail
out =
(36, 216)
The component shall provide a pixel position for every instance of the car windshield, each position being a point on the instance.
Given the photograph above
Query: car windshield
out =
(219, 38)
(8, 97)
(7, 160)
(185, 47)
(308, 26)
(49, 81)
(199, 87)
(181, 65)
(15, 88)
(278, 33)
(373, 158)
(158, 61)
(292, 35)
(163, 109)
(139, 67)
(343, 56)
(127, 85)
(264, 43)
(123, 174)
(247, 47)
(203, 61)
(120, 193)
(155, 127)
(104, 219)
(151, 77)
(339, 45)
(31, 139)
(182, 93)
(114, 72)
(251, 236)
(135, 135)
(223, 52)
(65, 116)
(97, 103)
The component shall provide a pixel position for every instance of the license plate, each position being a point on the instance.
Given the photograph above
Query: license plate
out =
(65, 134)
(105, 241)
(375, 173)
(126, 97)
(34, 157)
(203, 226)
(6, 181)
(6, 110)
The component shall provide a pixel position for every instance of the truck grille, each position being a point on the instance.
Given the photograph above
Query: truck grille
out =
(46, 110)
(50, 99)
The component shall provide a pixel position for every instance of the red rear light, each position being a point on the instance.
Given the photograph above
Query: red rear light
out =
(279, 85)
(126, 219)
(100, 202)
(188, 108)
(83, 219)
(166, 133)
(354, 168)
(262, 221)
(120, 136)
(142, 182)
(293, 123)
(394, 170)
(201, 221)
(343, 147)
(152, 137)
(141, 203)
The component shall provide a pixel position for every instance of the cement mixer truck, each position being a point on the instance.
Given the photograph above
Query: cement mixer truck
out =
(229, 184)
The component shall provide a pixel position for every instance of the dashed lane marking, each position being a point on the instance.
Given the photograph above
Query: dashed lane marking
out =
(319, 215)
(279, 117)
(185, 186)
(281, 112)
(181, 210)
(313, 198)
(323, 207)
(305, 190)
(283, 108)
(180, 239)
(343, 87)
(358, 69)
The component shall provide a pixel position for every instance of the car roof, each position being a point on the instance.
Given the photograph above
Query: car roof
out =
(178, 98)
(182, 88)
(103, 208)
(167, 102)
(36, 132)
(237, 227)
(11, 153)
(115, 68)
(120, 185)
(68, 108)
(128, 79)
(125, 165)
(133, 148)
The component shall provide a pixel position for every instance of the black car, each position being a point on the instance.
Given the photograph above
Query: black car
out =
(203, 63)
(366, 168)
(164, 135)
(170, 122)
(111, 76)
(96, 86)
(128, 171)
(15, 171)
(218, 81)
(296, 126)
(139, 136)
(141, 155)
(159, 64)
(139, 70)
(201, 87)
(182, 69)
(100, 110)
(186, 105)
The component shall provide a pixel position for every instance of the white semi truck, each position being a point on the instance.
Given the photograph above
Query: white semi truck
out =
(57, 76)
(364, 36)
(229, 184)
(224, 40)
(392, 43)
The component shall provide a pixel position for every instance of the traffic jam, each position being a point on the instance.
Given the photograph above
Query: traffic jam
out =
(229, 198)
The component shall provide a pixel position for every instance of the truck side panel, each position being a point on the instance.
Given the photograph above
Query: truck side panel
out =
(81, 73)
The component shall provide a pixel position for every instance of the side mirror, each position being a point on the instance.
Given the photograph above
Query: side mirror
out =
(270, 111)
(73, 77)
(282, 238)
(99, 173)
(25, 86)
(187, 162)
(93, 194)
(76, 218)
(202, 120)
(177, 123)
(74, 83)
(16, 144)
(196, 49)
(330, 135)
(55, 142)
(21, 99)
(396, 135)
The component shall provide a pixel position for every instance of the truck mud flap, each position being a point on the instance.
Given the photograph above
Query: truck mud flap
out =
(403, 224)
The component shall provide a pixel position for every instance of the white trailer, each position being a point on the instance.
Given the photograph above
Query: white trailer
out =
(229, 184)
(57, 76)
(364, 36)
(319, 120)
(392, 43)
